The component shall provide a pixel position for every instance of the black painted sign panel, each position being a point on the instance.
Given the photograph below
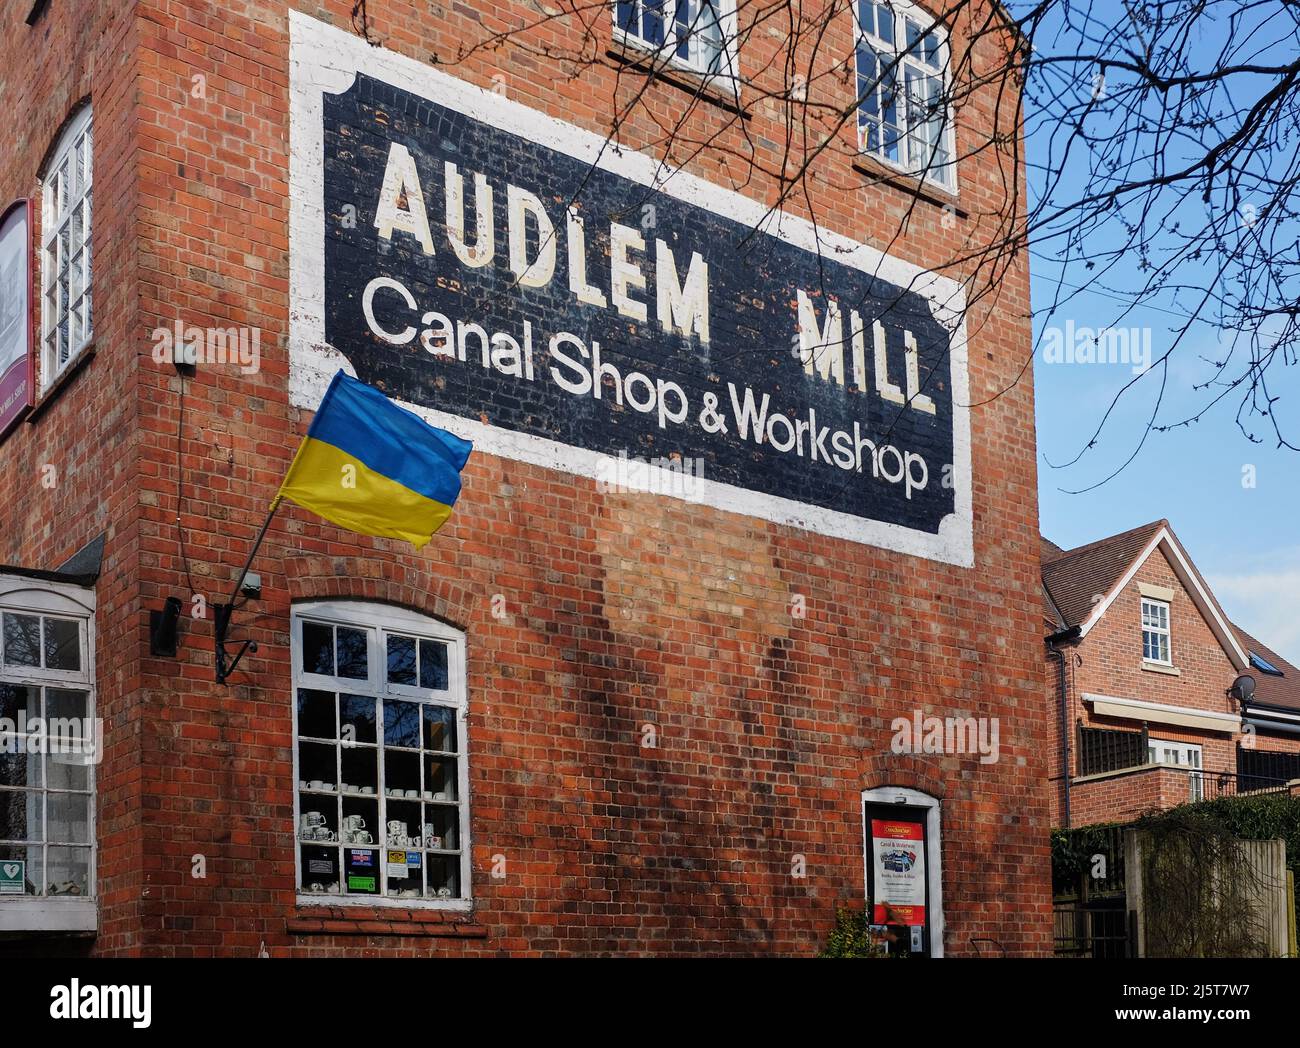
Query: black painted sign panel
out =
(478, 264)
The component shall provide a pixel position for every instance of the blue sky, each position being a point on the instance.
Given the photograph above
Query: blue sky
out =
(1244, 539)
(1234, 504)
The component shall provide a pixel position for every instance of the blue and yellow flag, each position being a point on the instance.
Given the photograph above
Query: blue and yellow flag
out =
(376, 468)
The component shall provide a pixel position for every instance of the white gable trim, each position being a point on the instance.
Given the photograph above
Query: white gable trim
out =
(1219, 626)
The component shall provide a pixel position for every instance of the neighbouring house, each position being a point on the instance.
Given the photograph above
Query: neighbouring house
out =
(1146, 678)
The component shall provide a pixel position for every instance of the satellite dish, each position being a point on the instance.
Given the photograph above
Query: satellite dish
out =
(1243, 688)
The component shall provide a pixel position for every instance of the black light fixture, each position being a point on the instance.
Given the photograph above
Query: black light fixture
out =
(163, 628)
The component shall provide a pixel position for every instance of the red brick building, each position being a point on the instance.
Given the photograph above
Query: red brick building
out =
(586, 718)
(1141, 670)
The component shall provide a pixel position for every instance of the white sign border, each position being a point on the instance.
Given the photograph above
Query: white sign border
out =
(324, 59)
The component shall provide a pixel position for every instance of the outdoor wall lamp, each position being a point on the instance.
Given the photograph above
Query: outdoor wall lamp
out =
(163, 628)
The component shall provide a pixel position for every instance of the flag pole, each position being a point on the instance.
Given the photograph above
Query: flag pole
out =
(222, 612)
(257, 544)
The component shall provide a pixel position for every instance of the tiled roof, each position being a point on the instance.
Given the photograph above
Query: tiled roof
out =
(1272, 691)
(1075, 579)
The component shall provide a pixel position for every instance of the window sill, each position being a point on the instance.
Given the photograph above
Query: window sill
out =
(45, 914)
(706, 87)
(1161, 667)
(311, 919)
(51, 393)
(882, 173)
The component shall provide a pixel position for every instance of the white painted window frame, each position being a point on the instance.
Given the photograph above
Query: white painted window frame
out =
(945, 176)
(905, 797)
(1193, 760)
(1165, 631)
(58, 208)
(378, 620)
(48, 913)
(728, 77)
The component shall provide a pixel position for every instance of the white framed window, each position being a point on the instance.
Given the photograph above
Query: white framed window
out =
(904, 112)
(381, 808)
(50, 743)
(67, 323)
(1183, 755)
(1155, 631)
(699, 35)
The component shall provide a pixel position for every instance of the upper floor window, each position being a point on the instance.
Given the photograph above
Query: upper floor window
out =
(379, 722)
(50, 743)
(67, 323)
(697, 34)
(904, 113)
(1155, 631)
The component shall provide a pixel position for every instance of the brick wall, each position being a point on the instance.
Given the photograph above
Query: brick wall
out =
(622, 610)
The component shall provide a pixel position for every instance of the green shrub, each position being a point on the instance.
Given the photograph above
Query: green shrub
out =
(851, 937)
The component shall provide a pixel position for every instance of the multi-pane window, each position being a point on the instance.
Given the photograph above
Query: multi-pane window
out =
(904, 116)
(1183, 754)
(1155, 631)
(695, 33)
(379, 717)
(67, 322)
(49, 745)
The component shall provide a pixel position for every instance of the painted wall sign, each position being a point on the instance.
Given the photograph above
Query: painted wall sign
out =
(520, 282)
(17, 359)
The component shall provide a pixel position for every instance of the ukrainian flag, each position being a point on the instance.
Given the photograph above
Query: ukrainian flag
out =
(371, 466)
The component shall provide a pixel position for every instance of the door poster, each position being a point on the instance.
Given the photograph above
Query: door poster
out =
(898, 857)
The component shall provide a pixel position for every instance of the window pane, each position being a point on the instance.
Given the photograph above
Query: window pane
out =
(318, 768)
(67, 871)
(31, 857)
(402, 724)
(67, 772)
(439, 728)
(20, 815)
(441, 829)
(626, 14)
(316, 714)
(66, 704)
(652, 21)
(433, 665)
(401, 776)
(884, 22)
(22, 639)
(19, 705)
(360, 775)
(18, 765)
(320, 870)
(317, 649)
(913, 36)
(401, 660)
(351, 653)
(440, 778)
(357, 717)
(69, 817)
(361, 866)
(444, 877)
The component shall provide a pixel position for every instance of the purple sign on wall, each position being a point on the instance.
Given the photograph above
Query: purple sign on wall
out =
(17, 366)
